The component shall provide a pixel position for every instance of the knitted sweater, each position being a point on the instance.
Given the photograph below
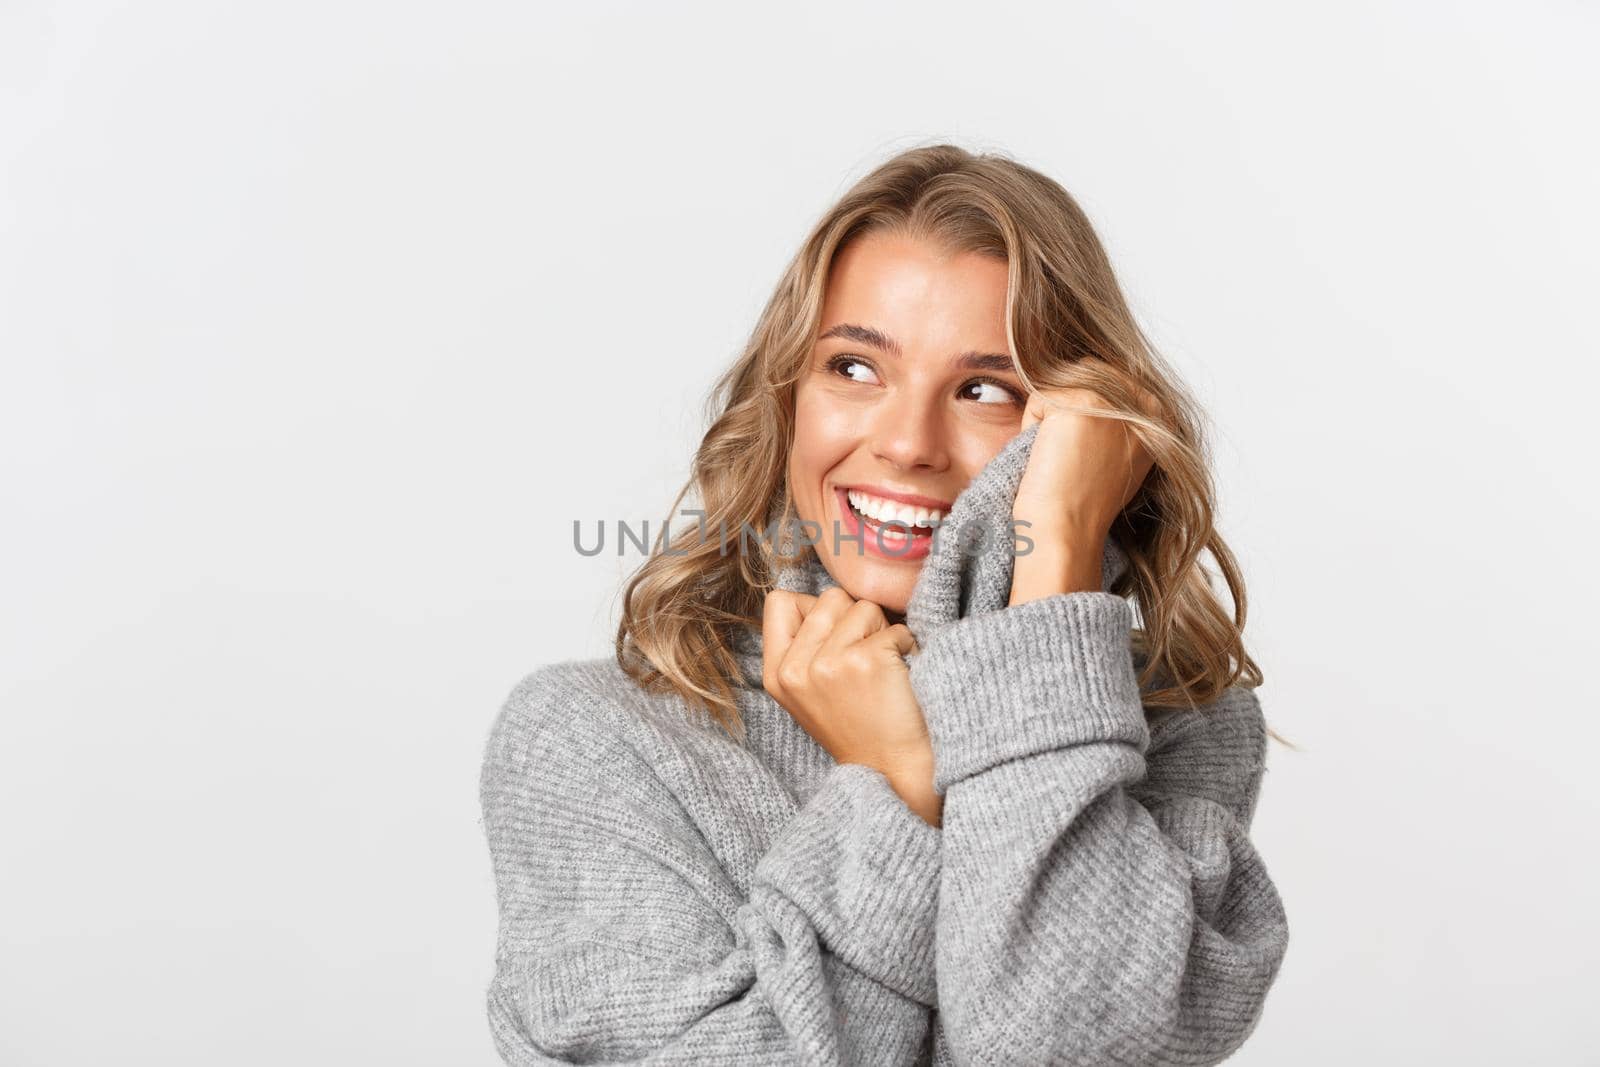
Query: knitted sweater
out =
(670, 895)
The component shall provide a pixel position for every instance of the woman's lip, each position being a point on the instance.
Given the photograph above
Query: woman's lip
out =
(891, 547)
(914, 499)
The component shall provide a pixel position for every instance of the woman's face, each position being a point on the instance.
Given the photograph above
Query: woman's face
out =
(909, 393)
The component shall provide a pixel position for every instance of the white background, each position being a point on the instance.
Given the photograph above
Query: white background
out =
(321, 322)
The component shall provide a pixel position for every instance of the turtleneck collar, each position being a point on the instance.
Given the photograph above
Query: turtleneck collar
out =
(954, 582)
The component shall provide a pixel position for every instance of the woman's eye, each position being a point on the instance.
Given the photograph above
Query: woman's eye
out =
(982, 390)
(990, 392)
(862, 372)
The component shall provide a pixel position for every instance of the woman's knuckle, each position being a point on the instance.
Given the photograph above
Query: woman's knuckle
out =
(827, 668)
(869, 609)
(858, 660)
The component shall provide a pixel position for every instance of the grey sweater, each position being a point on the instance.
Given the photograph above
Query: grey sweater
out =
(668, 895)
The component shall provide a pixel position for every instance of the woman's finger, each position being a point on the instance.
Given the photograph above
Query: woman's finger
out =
(861, 620)
(1061, 402)
(814, 629)
(1034, 412)
(782, 614)
(897, 637)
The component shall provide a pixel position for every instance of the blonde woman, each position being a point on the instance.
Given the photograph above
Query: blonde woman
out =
(905, 783)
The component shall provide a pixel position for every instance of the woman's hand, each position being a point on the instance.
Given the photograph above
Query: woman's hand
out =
(1082, 471)
(836, 666)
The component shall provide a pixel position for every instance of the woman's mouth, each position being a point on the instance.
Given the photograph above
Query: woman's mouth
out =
(886, 529)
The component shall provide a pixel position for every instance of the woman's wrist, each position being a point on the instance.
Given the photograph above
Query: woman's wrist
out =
(912, 781)
(921, 799)
(1053, 568)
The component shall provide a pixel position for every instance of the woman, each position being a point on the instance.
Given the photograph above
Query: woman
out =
(873, 794)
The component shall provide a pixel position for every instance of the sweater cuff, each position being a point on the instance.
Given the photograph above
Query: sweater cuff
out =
(1041, 675)
(864, 868)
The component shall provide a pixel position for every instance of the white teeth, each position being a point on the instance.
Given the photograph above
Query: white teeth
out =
(892, 511)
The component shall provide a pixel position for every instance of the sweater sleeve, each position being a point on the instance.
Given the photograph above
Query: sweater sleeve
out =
(1100, 900)
(622, 937)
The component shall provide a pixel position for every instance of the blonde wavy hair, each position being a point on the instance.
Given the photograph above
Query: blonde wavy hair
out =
(682, 609)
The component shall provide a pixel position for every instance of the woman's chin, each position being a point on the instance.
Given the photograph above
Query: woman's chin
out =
(888, 586)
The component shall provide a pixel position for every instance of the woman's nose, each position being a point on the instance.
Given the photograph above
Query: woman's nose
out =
(908, 434)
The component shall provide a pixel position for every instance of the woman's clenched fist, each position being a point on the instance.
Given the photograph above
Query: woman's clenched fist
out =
(837, 667)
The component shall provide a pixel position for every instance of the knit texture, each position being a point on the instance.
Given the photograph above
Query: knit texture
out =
(668, 895)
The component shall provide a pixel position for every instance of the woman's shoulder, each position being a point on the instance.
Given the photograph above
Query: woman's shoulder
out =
(1215, 751)
(534, 729)
(593, 685)
(580, 739)
(589, 714)
(1231, 724)
(567, 703)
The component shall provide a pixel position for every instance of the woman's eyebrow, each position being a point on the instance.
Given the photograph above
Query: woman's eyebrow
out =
(867, 335)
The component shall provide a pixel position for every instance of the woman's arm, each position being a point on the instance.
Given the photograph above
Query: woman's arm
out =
(622, 937)
(1100, 900)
